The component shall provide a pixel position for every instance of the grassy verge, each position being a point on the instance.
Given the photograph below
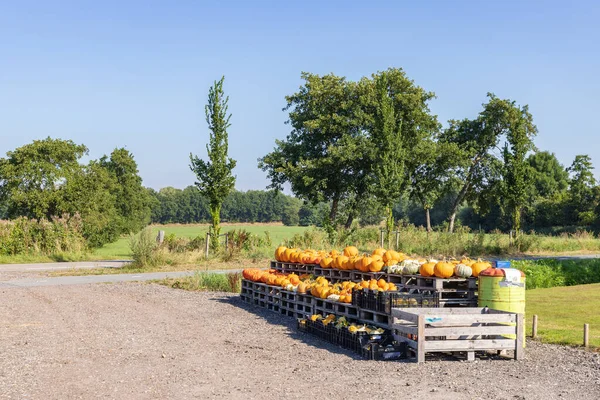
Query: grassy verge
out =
(562, 311)
(206, 281)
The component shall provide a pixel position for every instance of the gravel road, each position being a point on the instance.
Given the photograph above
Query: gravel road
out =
(145, 341)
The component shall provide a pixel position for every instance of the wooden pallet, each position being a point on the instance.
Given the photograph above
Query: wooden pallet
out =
(358, 276)
(374, 318)
(419, 282)
(325, 307)
(458, 330)
(296, 268)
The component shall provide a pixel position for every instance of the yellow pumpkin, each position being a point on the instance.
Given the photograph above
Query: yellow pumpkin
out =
(376, 266)
(427, 269)
(443, 269)
(326, 262)
(279, 252)
(380, 252)
(479, 266)
(350, 251)
(301, 288)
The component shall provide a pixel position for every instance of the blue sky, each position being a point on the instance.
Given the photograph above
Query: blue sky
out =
(136, 73)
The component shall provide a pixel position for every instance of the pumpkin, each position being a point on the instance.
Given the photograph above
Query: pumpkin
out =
(390, 262)
(396, 269)
(350, 251)
(443, 269)
(326, 262)
(463, 271)
(363, 264)
(294, 279)
(390, 255)
(301, 288)
(480, 266)
(380, 252)
(334, 253)
(410, 267)
(427, 269)
(279, 251)
(376, 266)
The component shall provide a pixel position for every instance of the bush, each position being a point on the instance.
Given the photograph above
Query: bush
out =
(23, 236)
(211, 281)
(143, 247)
(551, 272)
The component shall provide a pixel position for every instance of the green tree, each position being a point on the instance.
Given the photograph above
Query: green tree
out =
(477, 140)
(31, 176)
(215, 178)
(348, 139)
(322, 156)
(519, 130)
(388, 167)
(548, 174)
(582, 193)
(430, 168)
(131, 199)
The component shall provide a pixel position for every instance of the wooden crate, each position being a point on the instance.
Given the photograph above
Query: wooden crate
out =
(376, 318)
(358, 276)
(459, 330)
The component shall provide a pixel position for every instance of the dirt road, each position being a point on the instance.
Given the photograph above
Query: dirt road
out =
(144, 341)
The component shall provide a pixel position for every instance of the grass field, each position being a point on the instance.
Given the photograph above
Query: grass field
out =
(562, 311)
(278, 233)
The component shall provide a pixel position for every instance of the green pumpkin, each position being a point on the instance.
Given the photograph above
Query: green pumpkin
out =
(410, 267)
(463, 271)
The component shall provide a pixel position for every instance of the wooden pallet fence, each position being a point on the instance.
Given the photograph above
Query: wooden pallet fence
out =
(458, 330)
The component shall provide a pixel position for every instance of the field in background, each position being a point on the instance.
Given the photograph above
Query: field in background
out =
(278, 233)
(562, 311)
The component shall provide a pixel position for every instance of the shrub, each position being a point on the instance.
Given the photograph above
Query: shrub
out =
(143, 247)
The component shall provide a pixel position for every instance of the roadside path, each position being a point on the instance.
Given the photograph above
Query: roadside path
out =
(57, 266)
(87, 279)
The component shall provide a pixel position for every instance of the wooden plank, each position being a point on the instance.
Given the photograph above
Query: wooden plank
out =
(404, 314)
(465, 345)
(444, 311)
(520, 345)
(458, 320)
(470, 356)
(470, 330)
(421, 339)
(408, 329)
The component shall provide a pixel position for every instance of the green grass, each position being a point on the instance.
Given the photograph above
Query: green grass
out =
(562, 311)
(278, 233)
(205, 281)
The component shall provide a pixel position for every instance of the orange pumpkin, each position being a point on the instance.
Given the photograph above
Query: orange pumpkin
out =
(350, 251)
(364, 263)
(480, 266)
(326, 262)
(380, 252)
(376, 266)
(279, 252)
(427, 269)
(443, 269)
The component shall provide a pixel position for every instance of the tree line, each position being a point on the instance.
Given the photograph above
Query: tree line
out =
(373, 144)
(46, 179)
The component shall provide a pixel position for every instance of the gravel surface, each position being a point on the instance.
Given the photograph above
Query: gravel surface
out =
(145, 341)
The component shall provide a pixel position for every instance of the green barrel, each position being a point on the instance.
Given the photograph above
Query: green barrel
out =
(497, 293)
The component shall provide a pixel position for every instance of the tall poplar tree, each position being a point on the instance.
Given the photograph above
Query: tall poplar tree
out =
(215, 178)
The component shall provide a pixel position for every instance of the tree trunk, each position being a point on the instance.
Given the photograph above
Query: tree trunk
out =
(517, 220)
(348, 224)
(334, 210)
(428, 219)
(461, 195)
(389, 225)
(215, 213)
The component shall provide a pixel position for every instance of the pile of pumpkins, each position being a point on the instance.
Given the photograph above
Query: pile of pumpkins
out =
(382, 260)
(342, 323)
(320, 287)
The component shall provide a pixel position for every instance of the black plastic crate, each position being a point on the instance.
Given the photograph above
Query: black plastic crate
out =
(384, 301)
(380, 352)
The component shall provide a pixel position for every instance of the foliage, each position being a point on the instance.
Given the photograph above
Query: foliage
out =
(552, 272)
(334, 151)
(210, 281)
(215, 179)
(143, 246)
(24, 236)
(31, 176)
(45, 179)
(132, 201)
